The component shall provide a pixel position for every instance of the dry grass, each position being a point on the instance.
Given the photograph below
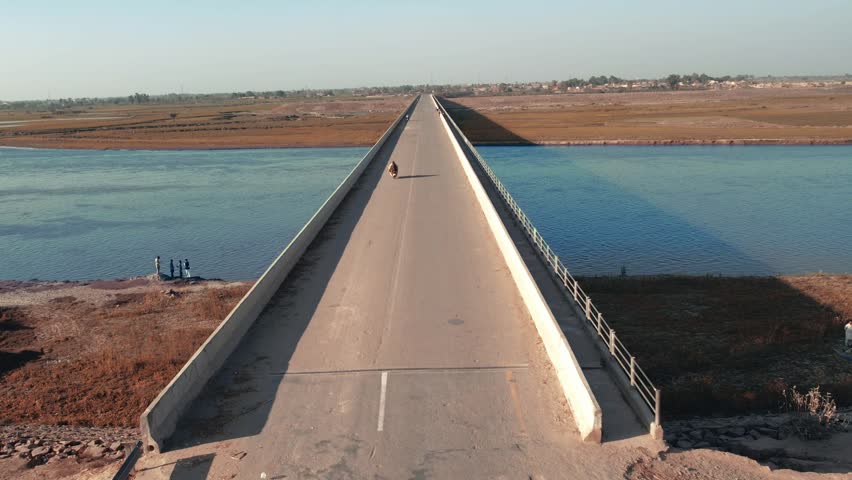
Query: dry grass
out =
(260, 124)
(815, 412)
(731, 345)
(106, 362)
(818, 115)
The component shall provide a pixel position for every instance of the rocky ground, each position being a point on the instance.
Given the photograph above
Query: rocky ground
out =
(778, 441)
(41, 444)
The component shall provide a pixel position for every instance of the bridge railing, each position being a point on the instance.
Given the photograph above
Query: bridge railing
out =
(639, 380)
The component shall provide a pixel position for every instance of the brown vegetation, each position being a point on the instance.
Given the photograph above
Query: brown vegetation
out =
(731, 345)
(323, 122)
(102, 359)
(778, 115)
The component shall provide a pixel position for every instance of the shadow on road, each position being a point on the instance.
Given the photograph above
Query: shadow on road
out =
(414, 176)
(236, 403)
(193, 468)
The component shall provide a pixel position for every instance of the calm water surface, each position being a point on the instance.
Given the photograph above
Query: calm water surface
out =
(691, 209)
(83, 214)
(76, 214)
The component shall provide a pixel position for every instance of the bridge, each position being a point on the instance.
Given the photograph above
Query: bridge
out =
(417, 327)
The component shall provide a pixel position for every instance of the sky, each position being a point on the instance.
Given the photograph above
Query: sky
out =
(83, 48)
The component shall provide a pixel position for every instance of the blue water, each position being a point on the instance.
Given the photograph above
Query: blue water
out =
(694, 209)
(82, 214)
(77, 214)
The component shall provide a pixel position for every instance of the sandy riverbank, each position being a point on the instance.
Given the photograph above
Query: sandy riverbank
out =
(321, 122)
(796, 116)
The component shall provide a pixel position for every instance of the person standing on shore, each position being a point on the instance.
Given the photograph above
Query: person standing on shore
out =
(172, 268)
(186, 266)
(848, 329)
(157, 266)
(180, 268)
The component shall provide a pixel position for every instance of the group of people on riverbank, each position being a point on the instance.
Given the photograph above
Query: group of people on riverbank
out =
(183, 267)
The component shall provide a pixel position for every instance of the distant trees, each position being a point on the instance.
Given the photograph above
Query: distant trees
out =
(673, 81)
(598, 81)
(139, 98)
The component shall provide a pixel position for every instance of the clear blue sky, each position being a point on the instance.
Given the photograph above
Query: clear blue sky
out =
(105, 48)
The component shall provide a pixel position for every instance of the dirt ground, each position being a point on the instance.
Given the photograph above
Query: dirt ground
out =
(96, 354)
(321, 122)
(731, 345)
(741, 116)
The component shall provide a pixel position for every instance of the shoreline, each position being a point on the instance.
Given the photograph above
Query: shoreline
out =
(185, 149)
(652, 143)
(485, 143)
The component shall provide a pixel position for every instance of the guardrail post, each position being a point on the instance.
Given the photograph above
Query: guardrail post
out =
(556, 264)
(600, 323)
(657, 406)
(632, 371)
(612, 341)
(575, 292)
(588, 307)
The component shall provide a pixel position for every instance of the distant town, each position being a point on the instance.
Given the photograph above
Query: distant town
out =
(594, 84)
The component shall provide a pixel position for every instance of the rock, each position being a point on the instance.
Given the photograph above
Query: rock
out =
(39, 451)
(23, 449)
(697, 434)
(95, 443)
(754, 434)
(117, 455)
(35, 461)
(774, 422)
(769, 432)
(684, 444)
(94, 451)
(76, 449)
(116, 446)
(736, 432)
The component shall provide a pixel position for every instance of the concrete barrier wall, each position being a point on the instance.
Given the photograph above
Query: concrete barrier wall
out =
(584, 406)
(159, 420)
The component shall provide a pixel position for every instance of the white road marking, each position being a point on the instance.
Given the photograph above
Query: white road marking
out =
(382, 401)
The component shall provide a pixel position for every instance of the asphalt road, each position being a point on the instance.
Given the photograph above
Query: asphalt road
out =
(399, 348)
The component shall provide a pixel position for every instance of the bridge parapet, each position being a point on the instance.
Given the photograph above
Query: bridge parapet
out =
(640, 391)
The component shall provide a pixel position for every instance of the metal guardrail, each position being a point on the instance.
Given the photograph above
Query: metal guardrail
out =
(638, 379)
(129, 462)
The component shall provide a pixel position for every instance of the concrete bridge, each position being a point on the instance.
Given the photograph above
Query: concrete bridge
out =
(411, 330)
